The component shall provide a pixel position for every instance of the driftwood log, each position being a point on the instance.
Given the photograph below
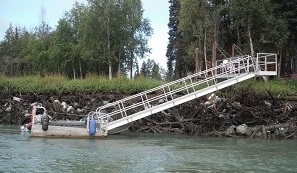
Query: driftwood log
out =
(265, 117)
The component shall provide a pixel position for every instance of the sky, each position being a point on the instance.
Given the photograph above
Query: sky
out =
(26, 13)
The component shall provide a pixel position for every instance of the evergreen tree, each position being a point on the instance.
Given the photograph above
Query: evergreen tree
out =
(143, 69)
(174, 36)
(150, 69)
(287, 9)
(156, 72)
(62, 58)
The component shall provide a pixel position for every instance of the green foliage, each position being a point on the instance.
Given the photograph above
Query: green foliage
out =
(35, 84)
(257, 16)
(173, 47)
(95, 38)
(105, 37)
(254, 26)
(277, 87)
(141, 84)
(151, 69)
(91, 84)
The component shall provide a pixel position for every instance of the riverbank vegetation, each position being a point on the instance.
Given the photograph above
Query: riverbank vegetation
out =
(92, 84)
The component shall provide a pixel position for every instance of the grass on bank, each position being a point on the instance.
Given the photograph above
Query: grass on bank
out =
(58, 84)
(281, 87)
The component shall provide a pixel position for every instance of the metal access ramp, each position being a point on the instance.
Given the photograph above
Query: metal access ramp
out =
(227, 72)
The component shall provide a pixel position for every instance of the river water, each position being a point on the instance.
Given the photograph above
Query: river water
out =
(138, 152)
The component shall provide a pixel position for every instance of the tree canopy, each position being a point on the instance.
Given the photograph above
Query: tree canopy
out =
(202, 31)
(109, 37)
(102, 37)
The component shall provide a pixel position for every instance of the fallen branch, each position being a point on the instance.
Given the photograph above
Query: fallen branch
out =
(291, 135)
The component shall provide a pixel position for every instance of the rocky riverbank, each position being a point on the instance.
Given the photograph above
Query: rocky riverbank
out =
(227, 114)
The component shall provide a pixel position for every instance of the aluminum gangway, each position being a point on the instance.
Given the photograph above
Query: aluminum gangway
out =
(227, 72)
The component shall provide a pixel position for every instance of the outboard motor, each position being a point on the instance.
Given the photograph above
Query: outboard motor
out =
(45, 122)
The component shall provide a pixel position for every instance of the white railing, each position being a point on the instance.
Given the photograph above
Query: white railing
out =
(266, 63)
(227, 68)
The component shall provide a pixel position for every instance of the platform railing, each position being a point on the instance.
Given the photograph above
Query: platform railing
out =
(148, 100)
(266, 64)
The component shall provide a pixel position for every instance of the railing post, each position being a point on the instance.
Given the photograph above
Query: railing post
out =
(248, 65)
(146, 103)
(276, 66)
(124, 109)
(257, 63)
(169, 90)
(142, 100)
(121, 111)
(192, 84)
(266, 65)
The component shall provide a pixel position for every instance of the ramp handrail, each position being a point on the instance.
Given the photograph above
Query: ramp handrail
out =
(227, 68)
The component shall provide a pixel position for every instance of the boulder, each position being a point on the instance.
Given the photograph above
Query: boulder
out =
(230, 131)
(243, 129)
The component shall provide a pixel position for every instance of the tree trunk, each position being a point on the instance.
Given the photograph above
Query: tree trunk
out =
(109, 69)
(197, 63)
(251, 40)
(215, 40)
(238, 36)
(204, 49)
(108, 50)
(214, 54)
(119, 65)
(131, 64)
(80, 70)
(99, 64)
(74, 74)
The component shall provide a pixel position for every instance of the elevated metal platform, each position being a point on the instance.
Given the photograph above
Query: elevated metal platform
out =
(227, 72)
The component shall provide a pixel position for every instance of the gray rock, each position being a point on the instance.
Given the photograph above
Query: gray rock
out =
(230, 131)
(16, 99)
(243, 129)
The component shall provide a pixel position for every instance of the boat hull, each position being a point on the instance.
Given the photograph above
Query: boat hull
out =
(64, 132)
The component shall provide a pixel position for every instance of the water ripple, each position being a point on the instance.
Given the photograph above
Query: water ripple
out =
(136, 153)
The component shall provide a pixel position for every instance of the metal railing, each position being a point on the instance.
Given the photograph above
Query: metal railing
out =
(227, 68)
(266, 62)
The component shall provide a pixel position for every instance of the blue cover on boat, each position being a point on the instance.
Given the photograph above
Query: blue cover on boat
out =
(92, 129)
